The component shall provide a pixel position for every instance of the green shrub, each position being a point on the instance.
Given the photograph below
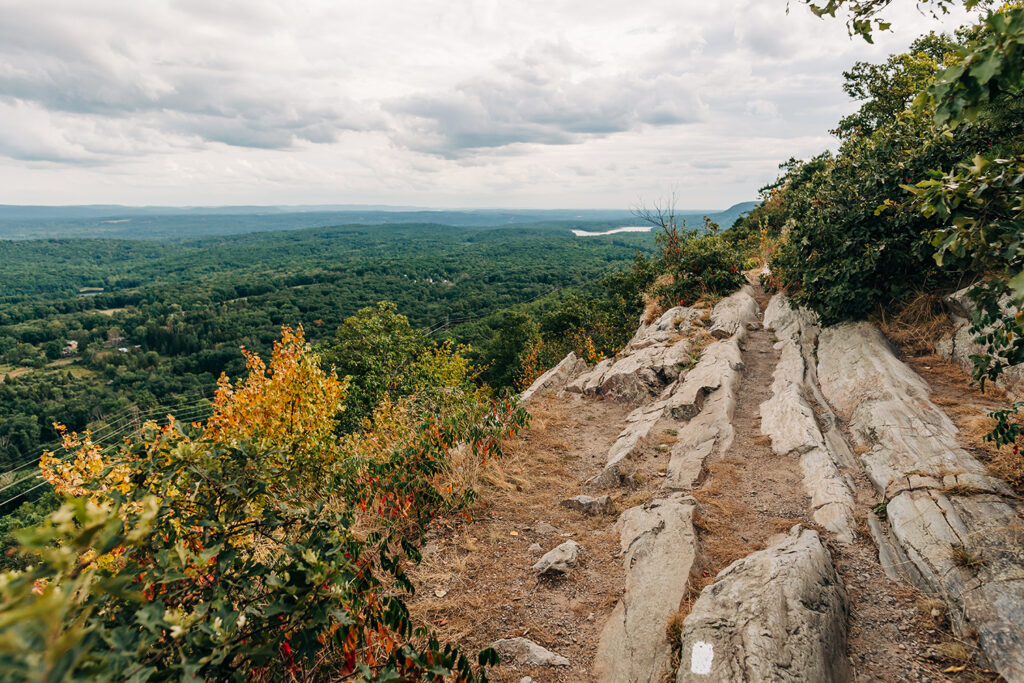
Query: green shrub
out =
(698, 264)
(226, 551)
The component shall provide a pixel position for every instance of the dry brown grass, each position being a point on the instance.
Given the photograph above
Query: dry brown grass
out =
(915, 325)
(727, 529)
(968, 558)
(652, 308)
(475, 583)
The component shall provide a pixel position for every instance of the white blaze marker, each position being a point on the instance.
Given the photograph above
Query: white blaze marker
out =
(700, 658)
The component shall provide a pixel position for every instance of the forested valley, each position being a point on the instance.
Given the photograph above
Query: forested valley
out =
(102, 333)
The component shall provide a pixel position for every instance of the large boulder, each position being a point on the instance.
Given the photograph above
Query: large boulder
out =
(775, 615)
(658, 545)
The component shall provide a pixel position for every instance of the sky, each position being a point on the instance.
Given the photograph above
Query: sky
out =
(472, 103)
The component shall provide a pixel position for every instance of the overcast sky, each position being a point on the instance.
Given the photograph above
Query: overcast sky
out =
(472, 103)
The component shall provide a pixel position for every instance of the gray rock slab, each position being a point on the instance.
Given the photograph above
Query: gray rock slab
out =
(942, 502)
(652, 359)
(788, 419)
(555, 379)
(639, 425)
(719, 364)
(779, 614)
(527, 653)
(734, 313)
(659, 546)
(708, 394)
(888, 408)
(588, 382)
(560, 560)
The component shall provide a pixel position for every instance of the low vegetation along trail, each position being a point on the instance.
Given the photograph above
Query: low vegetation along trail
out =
(478, 585)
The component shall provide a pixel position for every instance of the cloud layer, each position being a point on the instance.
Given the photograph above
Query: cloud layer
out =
(480, 103)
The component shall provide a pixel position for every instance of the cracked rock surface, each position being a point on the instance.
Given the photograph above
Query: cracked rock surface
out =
(791, 422)
(778, 614)
(942, 505)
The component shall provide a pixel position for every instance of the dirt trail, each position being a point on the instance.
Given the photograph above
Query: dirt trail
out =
(475, 584)
(750, 494)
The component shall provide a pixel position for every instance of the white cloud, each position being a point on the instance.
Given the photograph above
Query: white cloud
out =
(590, 103)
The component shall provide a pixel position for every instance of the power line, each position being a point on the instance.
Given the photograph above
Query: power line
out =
(15, 497)
(113, 426)
(189, 416)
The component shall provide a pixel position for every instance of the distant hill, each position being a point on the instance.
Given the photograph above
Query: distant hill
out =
(162, 223)
(726, 218)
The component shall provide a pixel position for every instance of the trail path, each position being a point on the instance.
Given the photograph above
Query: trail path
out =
(745, 538)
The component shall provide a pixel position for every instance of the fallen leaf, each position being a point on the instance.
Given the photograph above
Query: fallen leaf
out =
(513, 533)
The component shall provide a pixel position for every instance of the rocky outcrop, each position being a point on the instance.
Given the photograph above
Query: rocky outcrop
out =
(559, 561)
(653, 358)
(776, 615)
(888, 409)
(706, 398)
(639, 424)
(699, 405)
(959, 344)
(555, 379)
(735, 312)
(789, 419)
(944, 512)
(527, 653)
(658, 546)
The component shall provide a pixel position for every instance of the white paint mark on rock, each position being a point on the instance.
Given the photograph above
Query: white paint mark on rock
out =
(701, 656)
